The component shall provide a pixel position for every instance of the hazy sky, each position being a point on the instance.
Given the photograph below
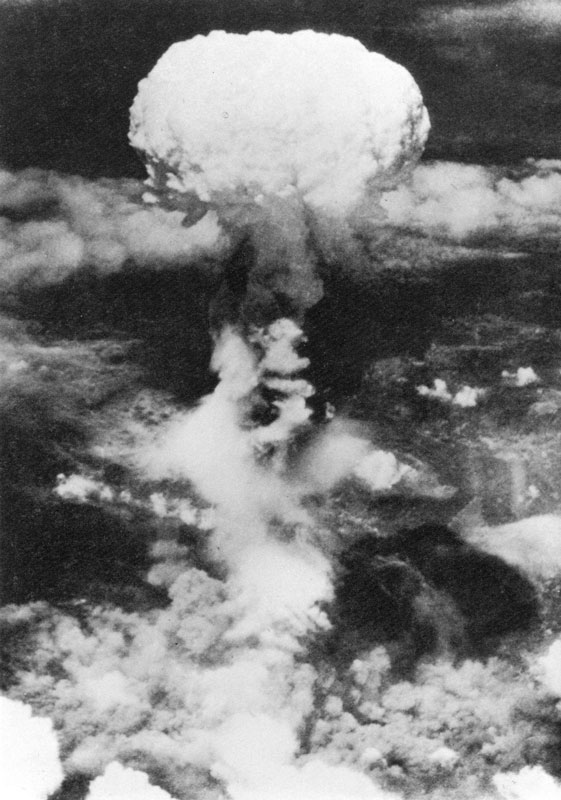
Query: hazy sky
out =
(490, 71)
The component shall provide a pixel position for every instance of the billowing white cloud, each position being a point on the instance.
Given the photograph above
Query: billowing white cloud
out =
(467, 203)
(52, 225)
(528, 784)
(532, 545)
(30, 767)
(122, 783)
(230, 118)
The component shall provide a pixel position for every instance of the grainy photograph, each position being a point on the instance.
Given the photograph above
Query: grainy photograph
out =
(280, 409)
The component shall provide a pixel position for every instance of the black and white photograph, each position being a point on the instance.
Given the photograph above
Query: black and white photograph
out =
(280, 399)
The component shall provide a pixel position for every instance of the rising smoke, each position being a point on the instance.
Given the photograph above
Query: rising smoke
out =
(268, 153)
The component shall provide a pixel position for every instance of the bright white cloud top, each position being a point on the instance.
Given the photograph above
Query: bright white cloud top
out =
(30, 768)
(229, 118)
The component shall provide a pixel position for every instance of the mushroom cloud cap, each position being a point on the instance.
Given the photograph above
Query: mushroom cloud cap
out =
(229, 119)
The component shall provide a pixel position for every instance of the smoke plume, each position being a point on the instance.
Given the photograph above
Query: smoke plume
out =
(268, 159)
(279, 137)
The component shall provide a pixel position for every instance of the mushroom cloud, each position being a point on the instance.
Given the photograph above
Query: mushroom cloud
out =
(284, 139)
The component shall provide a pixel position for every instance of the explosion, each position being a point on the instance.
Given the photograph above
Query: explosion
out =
(279, 137)
(268, 666)
(282, 137)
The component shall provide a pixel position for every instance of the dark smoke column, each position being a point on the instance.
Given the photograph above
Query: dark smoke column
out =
(282, 136)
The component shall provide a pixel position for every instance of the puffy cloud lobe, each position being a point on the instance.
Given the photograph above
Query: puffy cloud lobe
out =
(229, 118)
(528, 784)
(256, 753)
(532, 545)
(29, 757)
(121, 783)
(422, 724)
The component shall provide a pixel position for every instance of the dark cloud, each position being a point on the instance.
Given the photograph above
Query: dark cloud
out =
(497, 92)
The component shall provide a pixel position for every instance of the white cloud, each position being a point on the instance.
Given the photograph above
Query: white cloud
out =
(231, 118)
(464, 203)
(30, 768)
(543, 16)
(121, 783)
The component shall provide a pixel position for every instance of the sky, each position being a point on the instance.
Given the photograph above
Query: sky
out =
(488, 70)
